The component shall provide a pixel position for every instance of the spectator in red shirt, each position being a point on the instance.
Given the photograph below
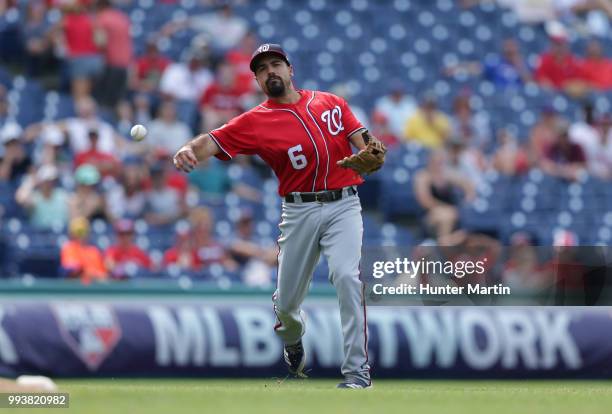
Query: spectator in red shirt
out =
(240, 58)
(81, 39)
(117, 52)
(523, 270)
(148, 69)
(105, 162)
(509, 158)
(209, 250)
(183, 254)
(564, 158)
(560, 69)
(597, 69)
(382, 130)
(222, 100)
(174, 179)
(125, 256)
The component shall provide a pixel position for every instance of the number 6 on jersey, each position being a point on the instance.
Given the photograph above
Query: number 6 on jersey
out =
(297, 161)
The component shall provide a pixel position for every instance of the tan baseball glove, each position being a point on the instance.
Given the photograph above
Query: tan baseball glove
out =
(369, 159)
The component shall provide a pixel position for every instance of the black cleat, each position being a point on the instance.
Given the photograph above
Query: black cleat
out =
(355, 384)
(295, 359)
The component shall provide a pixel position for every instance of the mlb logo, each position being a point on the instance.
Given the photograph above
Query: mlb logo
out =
(91, 331)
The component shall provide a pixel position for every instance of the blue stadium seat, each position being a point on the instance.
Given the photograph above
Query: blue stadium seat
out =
(5, 78)
(397, 195)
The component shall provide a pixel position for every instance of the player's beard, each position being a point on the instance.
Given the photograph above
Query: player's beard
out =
(275, 86)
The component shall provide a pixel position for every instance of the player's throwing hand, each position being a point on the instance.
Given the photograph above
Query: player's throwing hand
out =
(185, 159)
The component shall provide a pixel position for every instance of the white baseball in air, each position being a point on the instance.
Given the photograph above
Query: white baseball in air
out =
(138, 132)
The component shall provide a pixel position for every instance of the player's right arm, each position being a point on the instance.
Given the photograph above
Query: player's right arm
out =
(235, 137)
(197, 150)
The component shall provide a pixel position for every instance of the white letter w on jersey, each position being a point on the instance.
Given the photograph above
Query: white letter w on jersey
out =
(333, 118)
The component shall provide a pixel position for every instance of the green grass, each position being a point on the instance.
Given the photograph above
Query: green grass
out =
(319, 396)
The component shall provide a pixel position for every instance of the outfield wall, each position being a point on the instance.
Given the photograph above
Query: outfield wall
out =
(229, 337)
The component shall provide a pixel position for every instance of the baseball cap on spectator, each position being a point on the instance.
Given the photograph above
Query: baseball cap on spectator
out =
(564, 238)
(200, 42)
(268, 49)
(47, 173)
(199, 49)
(10, 132)
(124, 226)
(521, 238)
(87, 174)
(556, 31)
(182, 230)
(379, 118)
(52, 135)
(79, 227)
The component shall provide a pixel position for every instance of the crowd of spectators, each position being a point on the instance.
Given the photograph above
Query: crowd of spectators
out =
(71, 172)
(557, 69)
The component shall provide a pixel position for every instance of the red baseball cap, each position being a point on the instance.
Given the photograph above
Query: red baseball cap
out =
(268, 48)
(124, 226)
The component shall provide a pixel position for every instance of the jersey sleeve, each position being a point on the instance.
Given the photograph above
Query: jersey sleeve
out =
(235, 137)
(349, 120)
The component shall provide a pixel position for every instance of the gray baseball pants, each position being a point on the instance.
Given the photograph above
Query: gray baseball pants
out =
(334, 229)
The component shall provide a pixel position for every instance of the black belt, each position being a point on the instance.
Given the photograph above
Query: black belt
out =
(320, 196)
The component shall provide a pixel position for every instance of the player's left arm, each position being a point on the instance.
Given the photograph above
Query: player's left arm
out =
(354, 128)
(371, 155)
(371, 151)
(357, 140)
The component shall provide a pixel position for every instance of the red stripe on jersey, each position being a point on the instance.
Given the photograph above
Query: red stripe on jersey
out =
(322, 136)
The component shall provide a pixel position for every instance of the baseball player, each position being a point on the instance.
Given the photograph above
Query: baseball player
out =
(305, 137)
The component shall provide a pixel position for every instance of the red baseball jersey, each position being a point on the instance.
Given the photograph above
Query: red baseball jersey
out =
(301, 142)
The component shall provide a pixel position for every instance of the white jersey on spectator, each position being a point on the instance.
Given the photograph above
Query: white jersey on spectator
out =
(78, 134)
(396, 112)
(184, 85)
(233, 28)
